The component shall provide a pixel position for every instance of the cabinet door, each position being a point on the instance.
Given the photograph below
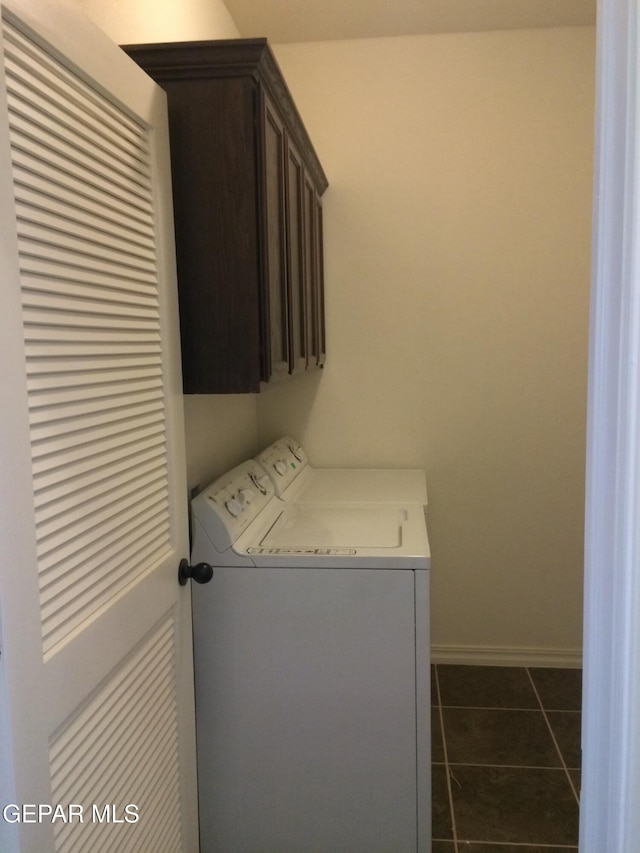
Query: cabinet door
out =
(313, 269)
(276, 353)
(296, 260)
(293, 244)
(319, 280)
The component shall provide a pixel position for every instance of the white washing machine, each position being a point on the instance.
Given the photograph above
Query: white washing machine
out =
(295, 479)
(312, 673)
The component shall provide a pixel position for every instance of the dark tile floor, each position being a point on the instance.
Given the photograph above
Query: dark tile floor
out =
(506, 759)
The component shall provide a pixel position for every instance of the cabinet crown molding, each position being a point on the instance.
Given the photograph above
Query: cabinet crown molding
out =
(231, 58)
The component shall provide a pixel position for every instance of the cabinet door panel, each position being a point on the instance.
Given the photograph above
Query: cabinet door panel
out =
(296, 262)
(314, 284)
(319, 280)
(277, 355)
(217, 263)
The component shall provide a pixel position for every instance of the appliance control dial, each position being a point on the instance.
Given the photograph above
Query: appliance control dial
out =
(260, 482)
(296, 449)
(245, 496)
(280, 467)
(234, 507)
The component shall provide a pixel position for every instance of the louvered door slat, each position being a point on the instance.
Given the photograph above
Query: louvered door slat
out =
(36, 269)
(76, 768)
(56, 555)
(61, 599)
(63, 363)
(62, 308)
(40, 176)
(87, 286)
(63, 615)
(81, 291)
(50, 480)
(73, 767)
(139, 700)
(65, 163)
(66, 495)
(59, 121)
(50, 230)
(73, 141)
(33, 199)
(141, 733)
(52, 444)
(45, 385)
(54, 532)
(101, 500)
(56, 386)
(42, 275)
(67, 431)
(52, 414)
(65, 85)
(38, 255)
(91, 430)
(41, 320)
(77, 501)
(90, 336)
(46, 95)
(55, 525)
(58, 418)
(49, 226)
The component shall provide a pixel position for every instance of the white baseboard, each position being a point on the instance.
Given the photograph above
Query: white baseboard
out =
(507, 656)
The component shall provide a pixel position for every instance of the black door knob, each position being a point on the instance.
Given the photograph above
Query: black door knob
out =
(200, 573)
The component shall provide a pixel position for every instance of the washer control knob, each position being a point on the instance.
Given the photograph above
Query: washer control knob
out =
(280, 467)
(259, 481)
(234, 507)
(256, 480)
(296, 449)
(245, 496)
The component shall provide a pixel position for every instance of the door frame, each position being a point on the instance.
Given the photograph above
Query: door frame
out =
(610, 818)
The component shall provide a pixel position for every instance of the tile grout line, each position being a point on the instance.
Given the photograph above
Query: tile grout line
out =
(526, 845)
(558, 769)
(508, 708)
(546, 719)
(446, 764)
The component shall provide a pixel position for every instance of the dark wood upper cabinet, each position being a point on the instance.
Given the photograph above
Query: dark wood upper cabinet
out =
(247, 188)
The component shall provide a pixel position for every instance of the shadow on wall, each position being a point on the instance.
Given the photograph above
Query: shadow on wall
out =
(287, 410)
(221, 430)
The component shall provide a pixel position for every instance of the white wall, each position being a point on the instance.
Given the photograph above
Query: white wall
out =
(140, 21)
(457, 263)
(457, 267)
(220, 430)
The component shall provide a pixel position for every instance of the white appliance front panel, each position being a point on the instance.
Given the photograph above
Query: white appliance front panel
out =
(312, 673)
(308, 734)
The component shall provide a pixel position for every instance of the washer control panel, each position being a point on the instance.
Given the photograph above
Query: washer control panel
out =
(283, 461)
(305, 552)
(228, 505)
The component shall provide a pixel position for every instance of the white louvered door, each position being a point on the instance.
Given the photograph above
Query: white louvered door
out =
(96, 677)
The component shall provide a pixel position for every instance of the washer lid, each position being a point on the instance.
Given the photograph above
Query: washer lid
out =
(344, 526)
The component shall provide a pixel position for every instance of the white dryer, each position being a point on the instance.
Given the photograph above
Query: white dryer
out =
(287, 465)
(312, 673)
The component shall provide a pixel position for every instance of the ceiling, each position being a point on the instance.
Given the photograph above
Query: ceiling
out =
(328, 20)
